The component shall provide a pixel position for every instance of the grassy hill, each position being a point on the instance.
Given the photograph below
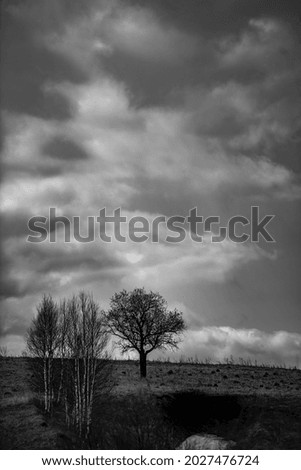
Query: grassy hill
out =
(257, 407)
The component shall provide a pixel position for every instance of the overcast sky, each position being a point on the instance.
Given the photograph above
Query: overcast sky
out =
(156, 107)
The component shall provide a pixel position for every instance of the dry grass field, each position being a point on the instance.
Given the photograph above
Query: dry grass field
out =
(22, 425)
(166, 377)
(257, 407)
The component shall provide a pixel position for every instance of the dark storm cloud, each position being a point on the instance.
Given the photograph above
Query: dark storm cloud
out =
(9, 287)
(10, 226)
(72, 258)
(38, 170)
(13, 224)
(30, 268)
(63, 149)
(16, 315)
(28, 67)
(219, 18)
(15, 326)
(220, 30)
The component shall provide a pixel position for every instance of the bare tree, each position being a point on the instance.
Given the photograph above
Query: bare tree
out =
(43, 342)
(86, 340)
(142, 323)
(75, 333)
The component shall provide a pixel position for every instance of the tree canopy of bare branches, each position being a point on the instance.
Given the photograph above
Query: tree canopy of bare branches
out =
(143, 323)
(74, 331)
(43, 341)
(85, 341)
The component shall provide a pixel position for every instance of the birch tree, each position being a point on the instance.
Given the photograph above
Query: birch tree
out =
(62, 352)
(43, 342)
(86, 342)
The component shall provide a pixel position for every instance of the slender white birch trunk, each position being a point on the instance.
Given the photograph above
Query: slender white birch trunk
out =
(45, 382)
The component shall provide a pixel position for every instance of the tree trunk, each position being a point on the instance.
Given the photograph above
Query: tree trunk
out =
(49, 385)
(142, 364)
(59, 393)
(45, 383)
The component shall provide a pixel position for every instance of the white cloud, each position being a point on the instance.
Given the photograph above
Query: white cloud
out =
(167, 265)
(261, 44)
(124, 143)
(128, 142)
(218, 343)
(80, 41)
(138, 32)
(115, 27)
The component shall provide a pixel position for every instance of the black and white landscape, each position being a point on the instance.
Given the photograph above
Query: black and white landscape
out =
(150, 223)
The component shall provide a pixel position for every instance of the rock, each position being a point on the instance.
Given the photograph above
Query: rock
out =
(205, 442)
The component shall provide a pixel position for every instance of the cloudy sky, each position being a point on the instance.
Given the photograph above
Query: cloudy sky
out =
(156, 107)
